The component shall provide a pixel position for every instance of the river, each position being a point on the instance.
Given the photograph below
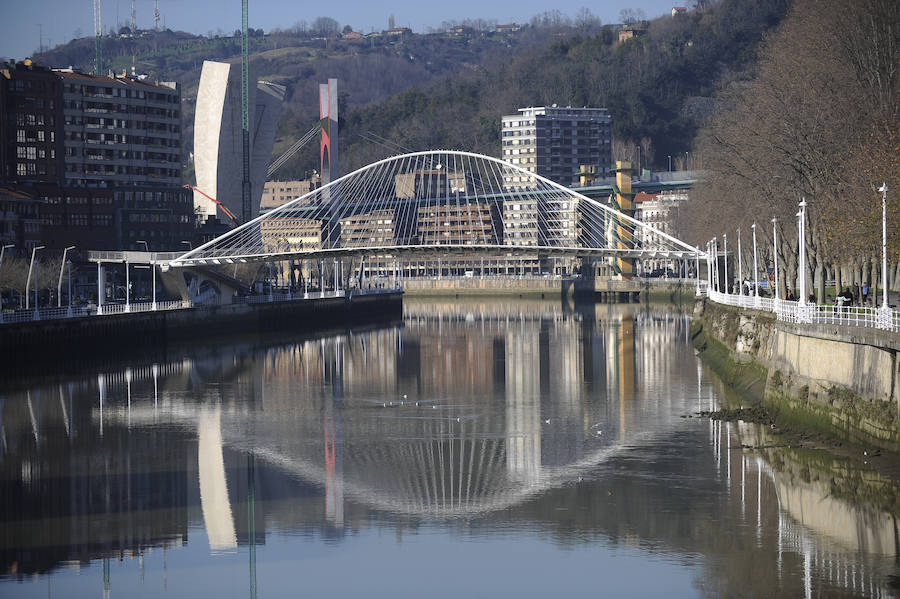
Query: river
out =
(479, 448)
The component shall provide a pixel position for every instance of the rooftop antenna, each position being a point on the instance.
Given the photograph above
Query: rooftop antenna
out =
(156, 15)
(40, 38)
(98, 40)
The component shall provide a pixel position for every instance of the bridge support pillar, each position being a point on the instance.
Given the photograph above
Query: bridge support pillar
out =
(624, 198)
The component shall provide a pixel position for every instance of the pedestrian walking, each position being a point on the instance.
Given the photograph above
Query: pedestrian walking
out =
(865, 292)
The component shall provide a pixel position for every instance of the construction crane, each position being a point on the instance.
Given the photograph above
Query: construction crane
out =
(98, 39)
(245, 113)
(218, 203)
(295, 147)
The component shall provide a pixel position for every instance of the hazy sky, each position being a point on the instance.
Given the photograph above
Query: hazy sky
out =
(61, 19)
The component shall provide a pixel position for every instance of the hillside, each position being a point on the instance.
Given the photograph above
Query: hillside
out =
(423, 91)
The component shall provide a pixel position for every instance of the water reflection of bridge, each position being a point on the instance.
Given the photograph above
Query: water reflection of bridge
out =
(330, 449)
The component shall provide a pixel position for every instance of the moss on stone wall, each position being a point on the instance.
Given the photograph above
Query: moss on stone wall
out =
(731, 343)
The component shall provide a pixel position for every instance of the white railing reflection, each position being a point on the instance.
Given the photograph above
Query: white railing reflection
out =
(808, 313)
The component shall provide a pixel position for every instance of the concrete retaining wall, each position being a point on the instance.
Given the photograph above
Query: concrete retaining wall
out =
(548, 287)
(844, 379)
(34, 347)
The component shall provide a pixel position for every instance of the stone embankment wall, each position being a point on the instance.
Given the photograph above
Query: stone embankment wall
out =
(843, 380)
(71, 344)
(526, 286)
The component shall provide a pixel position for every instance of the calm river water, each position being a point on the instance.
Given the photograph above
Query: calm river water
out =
(480, 449)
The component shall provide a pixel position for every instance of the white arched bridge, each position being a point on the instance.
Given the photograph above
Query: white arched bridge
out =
(441, 202)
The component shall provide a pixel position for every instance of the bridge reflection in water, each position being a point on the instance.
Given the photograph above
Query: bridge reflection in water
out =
(474, 411)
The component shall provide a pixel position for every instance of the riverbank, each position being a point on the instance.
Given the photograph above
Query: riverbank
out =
(840, 381)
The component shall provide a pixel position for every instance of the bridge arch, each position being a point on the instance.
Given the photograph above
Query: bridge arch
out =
(438, 202)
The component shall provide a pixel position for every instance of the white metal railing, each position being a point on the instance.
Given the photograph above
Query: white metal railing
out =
(10, 317)
(793, 311)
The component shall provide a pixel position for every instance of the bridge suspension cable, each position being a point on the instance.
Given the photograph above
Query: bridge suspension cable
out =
(291, 151)
(440, 202)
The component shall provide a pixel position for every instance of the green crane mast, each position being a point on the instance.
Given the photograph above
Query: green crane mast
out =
(245, 114)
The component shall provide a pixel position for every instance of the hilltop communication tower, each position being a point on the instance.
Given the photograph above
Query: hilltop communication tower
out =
(156, 15)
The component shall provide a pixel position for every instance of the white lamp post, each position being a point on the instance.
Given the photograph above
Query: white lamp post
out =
(884, 276)
(740, 276)
(755, 269)
(725, 243)
(715, 256)
(775, 248)
(28, 281)
(802, 250)
(884, 318)
(69, 265)
(62, 265)
(153, 283)
(2, 251)
(697, 269)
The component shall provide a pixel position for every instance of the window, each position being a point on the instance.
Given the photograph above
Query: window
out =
(20, 168)
(40, 136)
(20, 134)
(20, 152)
(31, 152)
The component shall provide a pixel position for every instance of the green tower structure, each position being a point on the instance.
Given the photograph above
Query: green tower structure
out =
(246, 214)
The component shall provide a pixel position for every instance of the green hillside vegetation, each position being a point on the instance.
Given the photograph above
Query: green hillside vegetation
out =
(440, 90)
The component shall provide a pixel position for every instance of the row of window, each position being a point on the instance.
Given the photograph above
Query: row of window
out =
(28, 169)
(23, 119)
(116, 92)
(26, 135)
(33, 153)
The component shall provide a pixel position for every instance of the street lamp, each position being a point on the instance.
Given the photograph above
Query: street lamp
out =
(670, 163)
(28, 281)
(740, 276)
(59, 283)
(69, 265)
(697, 269)
(2, 251)
(775, 247)
(801, 249)
(755, 269)
(884, 276)
(715, 242)
(725, 243)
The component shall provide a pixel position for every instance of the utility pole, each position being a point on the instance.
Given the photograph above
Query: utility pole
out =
(245, 114)
(98, 39)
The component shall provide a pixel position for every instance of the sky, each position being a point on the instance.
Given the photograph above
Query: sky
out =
(57, 21)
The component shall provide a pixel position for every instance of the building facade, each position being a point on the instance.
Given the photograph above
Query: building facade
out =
(101, 155)
(553, 142)
(277, 193)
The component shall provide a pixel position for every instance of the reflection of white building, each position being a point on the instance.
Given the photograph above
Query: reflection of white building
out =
(523, 403)
(218, 139)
